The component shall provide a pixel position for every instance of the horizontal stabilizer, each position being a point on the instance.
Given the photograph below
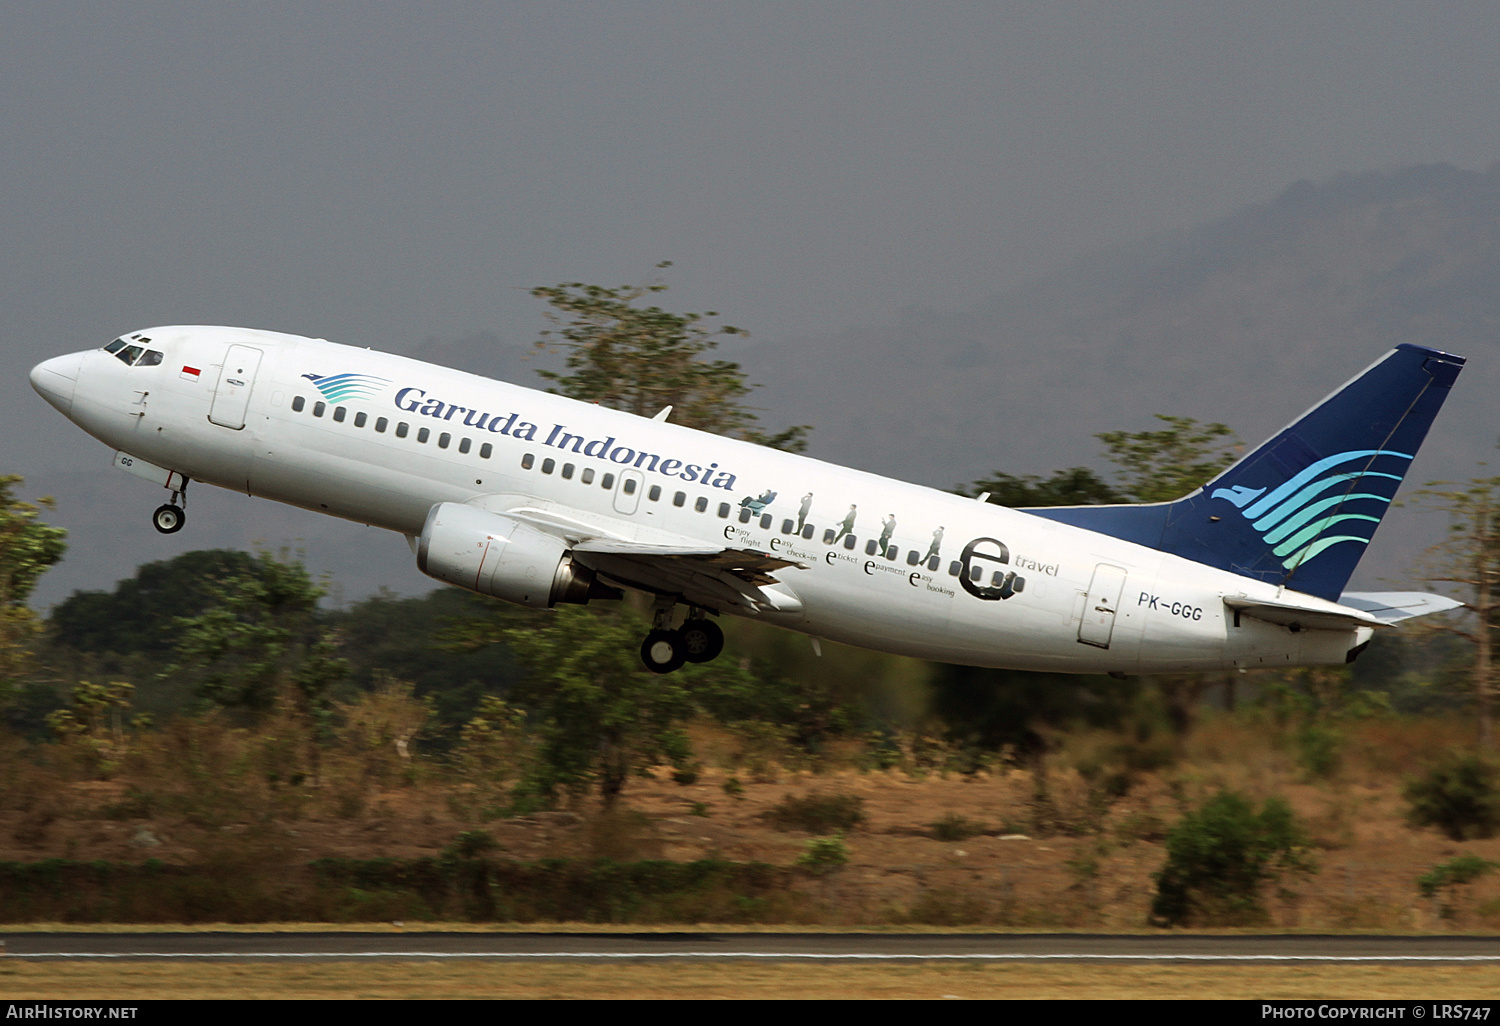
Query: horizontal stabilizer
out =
(1308, 616)
(1395, 606)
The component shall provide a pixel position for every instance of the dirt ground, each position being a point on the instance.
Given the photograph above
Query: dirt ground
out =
(1090, 866)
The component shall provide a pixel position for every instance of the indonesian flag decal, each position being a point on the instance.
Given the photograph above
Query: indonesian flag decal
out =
(190, 373)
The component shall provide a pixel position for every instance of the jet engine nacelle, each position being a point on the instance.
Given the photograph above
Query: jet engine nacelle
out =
(497, 555)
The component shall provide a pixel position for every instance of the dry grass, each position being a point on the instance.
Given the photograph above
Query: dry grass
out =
(123, 981)
(1083, 863)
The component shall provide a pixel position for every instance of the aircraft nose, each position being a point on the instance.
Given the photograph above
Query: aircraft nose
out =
(55, 379)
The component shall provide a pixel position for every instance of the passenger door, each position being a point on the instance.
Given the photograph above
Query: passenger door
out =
(232, 393)
(1101, 605)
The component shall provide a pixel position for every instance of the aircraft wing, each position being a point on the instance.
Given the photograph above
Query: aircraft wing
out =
(713, 576)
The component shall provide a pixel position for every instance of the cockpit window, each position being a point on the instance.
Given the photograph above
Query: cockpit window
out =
(150, 358)
(114, 346)
(129, 353)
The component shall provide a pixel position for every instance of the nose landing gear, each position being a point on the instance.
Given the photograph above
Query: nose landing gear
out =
(169, 518)
(698, 640)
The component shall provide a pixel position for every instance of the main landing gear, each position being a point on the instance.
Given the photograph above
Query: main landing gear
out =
(169, 518)
(698, 640)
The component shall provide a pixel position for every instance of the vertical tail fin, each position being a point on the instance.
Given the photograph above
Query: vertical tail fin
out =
(1300, 509)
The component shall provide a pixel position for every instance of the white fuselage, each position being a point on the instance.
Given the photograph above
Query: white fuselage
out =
(253, 419)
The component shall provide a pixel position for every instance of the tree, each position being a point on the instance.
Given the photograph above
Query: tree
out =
(27, 548)
(260, 639)
(139, 614)
(596, 712)
(387, 635)
(1159, 466)
(1076, 486)
(641, 359)
(1470, 558)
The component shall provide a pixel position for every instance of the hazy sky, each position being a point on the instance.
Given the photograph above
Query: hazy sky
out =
(382, 173)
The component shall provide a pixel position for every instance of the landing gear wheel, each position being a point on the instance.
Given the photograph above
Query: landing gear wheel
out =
(662, 651)
(702, 641)
(168, 519)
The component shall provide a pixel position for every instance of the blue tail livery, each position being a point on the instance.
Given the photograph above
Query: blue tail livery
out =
(1300, 509)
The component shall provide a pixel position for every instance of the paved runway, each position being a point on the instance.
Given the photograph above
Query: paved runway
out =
(1099, 948)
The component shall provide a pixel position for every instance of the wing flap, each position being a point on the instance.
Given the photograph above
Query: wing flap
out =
(713, 576)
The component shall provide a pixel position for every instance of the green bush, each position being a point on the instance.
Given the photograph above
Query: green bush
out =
(1220, 857)
(1454, 873)
(824, 855)
(1460, 796)
(1320, 750)
(953, 827)
(471, 844)
(817, 813)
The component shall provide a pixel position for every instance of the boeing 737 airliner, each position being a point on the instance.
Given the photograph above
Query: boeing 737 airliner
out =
(538, 499)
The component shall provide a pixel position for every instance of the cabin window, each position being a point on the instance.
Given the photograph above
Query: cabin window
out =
(849, 541)
(464, 444)
(913, 557)
(745, 514)
(870, 547)
(360, 418)
(829, 536)
(115, 346)
(485, 450)
(723, 511)
(527, 461)
(318, 409)
(701, 504)
(423, 434)
(548, 465)
(298, 404)
(150, 359)
(807, 531)
(402, 428)
(654, 493)
(765, 521)
(444, 439)
(607, 482)
(567, 472)
(629, 486)
(788, 526)
(679, 498)
(976, 572)
(339, 413)
(955, 568)
(934, 563)
(998, 579)
(380, 424)
(587, 477)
